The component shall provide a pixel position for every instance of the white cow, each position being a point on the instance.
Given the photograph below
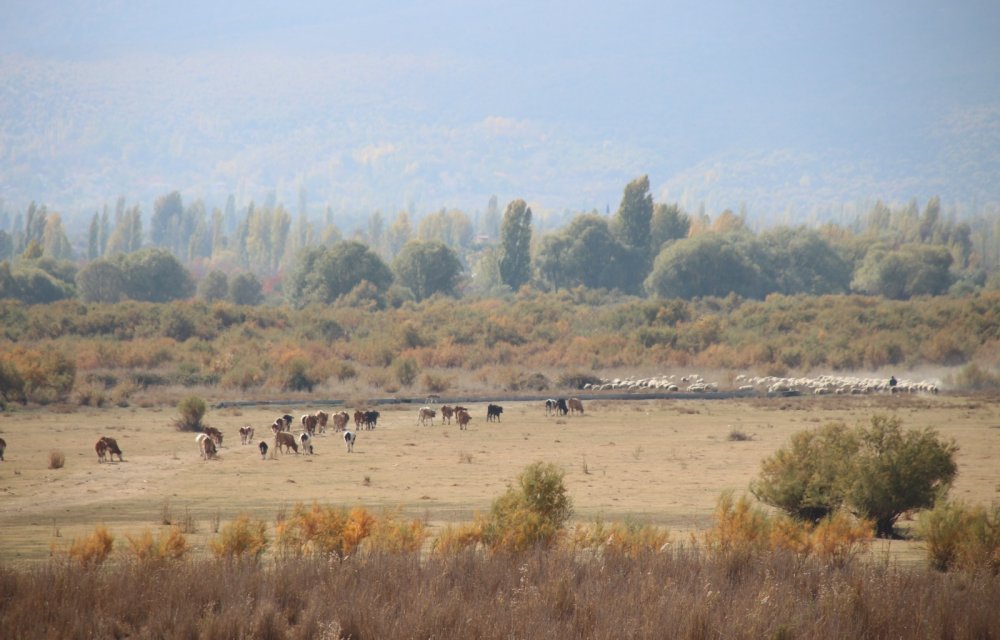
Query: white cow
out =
(349, 438)
(426, 413)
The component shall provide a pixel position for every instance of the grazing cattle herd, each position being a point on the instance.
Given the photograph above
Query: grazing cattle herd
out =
(314, 424)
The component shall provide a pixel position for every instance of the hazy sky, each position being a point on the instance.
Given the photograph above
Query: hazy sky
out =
(671, 84)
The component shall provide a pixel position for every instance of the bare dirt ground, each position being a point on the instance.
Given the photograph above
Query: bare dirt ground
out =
(659, 461)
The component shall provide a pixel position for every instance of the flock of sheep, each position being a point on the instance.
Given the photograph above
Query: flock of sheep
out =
(818, 385)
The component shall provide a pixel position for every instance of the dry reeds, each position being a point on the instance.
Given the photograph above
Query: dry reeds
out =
(679, 592)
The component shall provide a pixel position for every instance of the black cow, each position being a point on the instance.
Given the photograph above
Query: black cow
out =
(263, 450)
(493, 412)
(371, 419)
(561, 407)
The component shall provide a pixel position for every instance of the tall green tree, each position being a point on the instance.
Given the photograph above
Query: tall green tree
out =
(55, 244)
(632, 220)
(426, 268)
(515, 245)
(94, 238)
(165, 225)
(127, 234)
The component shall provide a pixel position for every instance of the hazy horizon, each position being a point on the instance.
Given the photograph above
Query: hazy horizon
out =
(788, 110)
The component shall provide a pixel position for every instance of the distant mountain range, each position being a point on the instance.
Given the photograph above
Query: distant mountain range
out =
(362, 132)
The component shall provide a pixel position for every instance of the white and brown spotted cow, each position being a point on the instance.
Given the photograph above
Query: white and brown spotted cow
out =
(246, 435)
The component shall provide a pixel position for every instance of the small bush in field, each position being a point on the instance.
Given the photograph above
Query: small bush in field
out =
(531, 513)
(241, 538)
(56, 459)
(94, 549)
(192, 410)
(168, 545)
(962, 537)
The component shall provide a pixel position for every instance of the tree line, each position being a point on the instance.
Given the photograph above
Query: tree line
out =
(644, 248)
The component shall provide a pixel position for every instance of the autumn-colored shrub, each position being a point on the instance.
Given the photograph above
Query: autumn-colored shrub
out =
(168, 545)
(240, 539)
(390, 533)
(455, 538)
(323, 530)
(960, 536)
(629, 539)
(94, 549)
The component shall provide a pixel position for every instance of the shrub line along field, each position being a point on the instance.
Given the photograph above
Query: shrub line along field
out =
(662, 461)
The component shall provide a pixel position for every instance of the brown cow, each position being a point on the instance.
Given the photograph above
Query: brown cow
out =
(359, 418)
(426, 413)
(462, 417)
(101, 447)
(287, 440)
(322, 417)
(340, 421)
(113, 449)
(446, 414)
(3, 447)
(309, 422)
(575, 405)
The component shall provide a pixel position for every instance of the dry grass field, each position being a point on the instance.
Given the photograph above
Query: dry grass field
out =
(664, 462)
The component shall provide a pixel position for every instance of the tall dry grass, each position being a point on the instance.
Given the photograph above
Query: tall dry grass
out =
(679, 592)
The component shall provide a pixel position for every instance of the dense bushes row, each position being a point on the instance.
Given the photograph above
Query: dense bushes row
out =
(514, 342)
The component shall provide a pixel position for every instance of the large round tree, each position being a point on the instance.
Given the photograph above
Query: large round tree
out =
(426, 268)
(324, 274)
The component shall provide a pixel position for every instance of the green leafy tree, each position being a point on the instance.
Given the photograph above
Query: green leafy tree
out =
(515, 243)
(801, 261)
(101, 281)
(911, 270)
(155, 275)
(895, 472)
(245, 288)
(214, 286)
(426, 268)
(587, 253)
(324, 274)
(803, 479)
(709, 264)
(878, 471)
